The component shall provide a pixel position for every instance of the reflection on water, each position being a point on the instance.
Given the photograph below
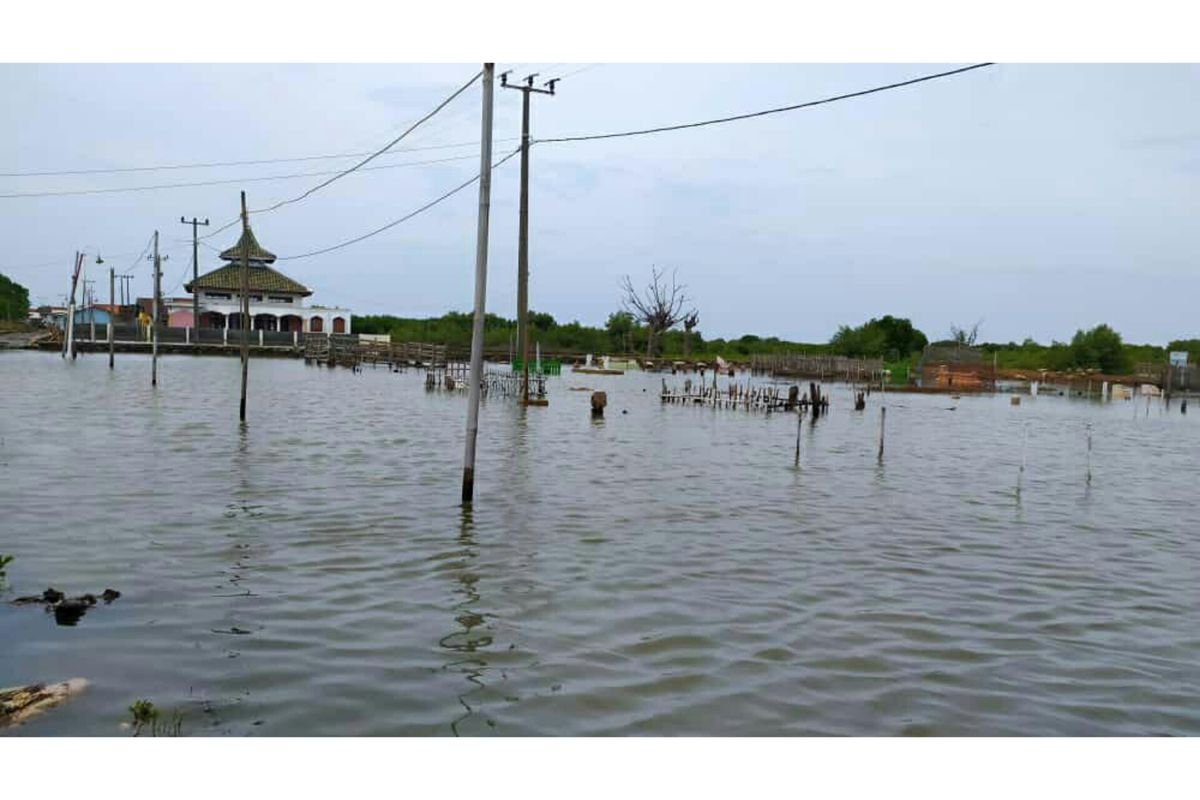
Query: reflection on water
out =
(660, 570)
(465, 642)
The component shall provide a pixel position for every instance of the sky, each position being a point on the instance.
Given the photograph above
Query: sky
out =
(1037, 199)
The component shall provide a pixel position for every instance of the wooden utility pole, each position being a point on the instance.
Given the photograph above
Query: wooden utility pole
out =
(154, 315)
(112, 304)
(523, 229)
(195, 223)
(69, 338)
(245, 305)
(481, 253)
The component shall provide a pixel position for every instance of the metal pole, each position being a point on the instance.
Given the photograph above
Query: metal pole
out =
(245, 306)
(481, 253)
(154, 315)
(112, 305)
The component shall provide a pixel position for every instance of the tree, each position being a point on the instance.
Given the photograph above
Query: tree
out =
(659, 307)
(963, 336)
(1100, 347)
(689, 323)
(14, 300)
(619, 326)
(541, 321)
(888, 337)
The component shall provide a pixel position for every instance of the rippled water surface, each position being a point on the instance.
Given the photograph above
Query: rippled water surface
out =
(666, 570)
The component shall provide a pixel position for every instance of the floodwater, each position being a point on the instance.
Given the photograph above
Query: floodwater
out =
(665, 571)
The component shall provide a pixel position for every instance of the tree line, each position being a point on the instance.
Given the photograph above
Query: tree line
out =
(894, 339)
(14, 300)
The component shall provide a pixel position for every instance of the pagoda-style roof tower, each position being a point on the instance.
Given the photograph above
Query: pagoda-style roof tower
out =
(263, 278)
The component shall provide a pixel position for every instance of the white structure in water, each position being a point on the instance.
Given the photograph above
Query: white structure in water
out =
(276, 301)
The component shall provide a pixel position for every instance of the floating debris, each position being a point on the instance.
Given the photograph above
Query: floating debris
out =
(67, 610)
(19, 703)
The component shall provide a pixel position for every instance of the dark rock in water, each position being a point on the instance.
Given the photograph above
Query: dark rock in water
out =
(28, 600)
(69, 612)
(109, 595)
(90, 599)
(52, 595)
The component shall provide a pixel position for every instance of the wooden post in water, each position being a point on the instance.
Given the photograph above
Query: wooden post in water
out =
(245, 307)
(799, 427)
(481, 254)
(1021, 471)
(112, 304)
(1089, 452)
(882, 419)
(154, 315)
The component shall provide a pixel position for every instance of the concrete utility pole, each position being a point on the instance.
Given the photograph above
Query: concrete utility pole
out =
(523, 230)
(69, 338)
(112, 304)
(481, 253)
(154, 314)
(195, 223)
(90, 304)
(245, 305)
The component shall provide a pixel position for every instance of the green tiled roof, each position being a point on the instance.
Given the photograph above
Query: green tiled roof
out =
(262, 279)
(257, 251)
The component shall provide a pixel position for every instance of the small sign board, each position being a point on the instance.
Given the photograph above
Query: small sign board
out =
(1178, 358)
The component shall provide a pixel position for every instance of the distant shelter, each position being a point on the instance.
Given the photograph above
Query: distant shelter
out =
(950, 365)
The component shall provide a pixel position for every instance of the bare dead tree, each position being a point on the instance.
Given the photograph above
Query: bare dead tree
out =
(690, 321)
(659, 307)
(963, 336)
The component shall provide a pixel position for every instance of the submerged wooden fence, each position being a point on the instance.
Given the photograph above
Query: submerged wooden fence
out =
(746, 396)
(851, 370)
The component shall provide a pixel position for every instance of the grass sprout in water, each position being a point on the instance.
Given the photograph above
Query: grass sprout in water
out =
(146, 715)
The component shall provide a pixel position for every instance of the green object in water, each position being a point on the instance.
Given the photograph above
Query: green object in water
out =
(549, 366)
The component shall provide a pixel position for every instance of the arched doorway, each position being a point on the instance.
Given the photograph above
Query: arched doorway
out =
(339, 325)
(316, 325)
(266, 322)
(290, 323)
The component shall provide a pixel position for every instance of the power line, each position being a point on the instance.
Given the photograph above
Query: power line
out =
(765, 112)
(584, 68)
(250, 162)
(396, 222)
(192, 184)
(141, 256)
(378, 152)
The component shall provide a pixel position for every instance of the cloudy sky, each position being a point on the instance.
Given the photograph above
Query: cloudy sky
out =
(1037, 198)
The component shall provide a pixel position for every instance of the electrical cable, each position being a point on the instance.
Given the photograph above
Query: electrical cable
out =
(378, 152)
(192, 184)
(765, 112)
(396, 222)
(249, 162)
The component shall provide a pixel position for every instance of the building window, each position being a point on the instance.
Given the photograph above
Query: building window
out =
(275, 299)
(257, 298)
(218, 296)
